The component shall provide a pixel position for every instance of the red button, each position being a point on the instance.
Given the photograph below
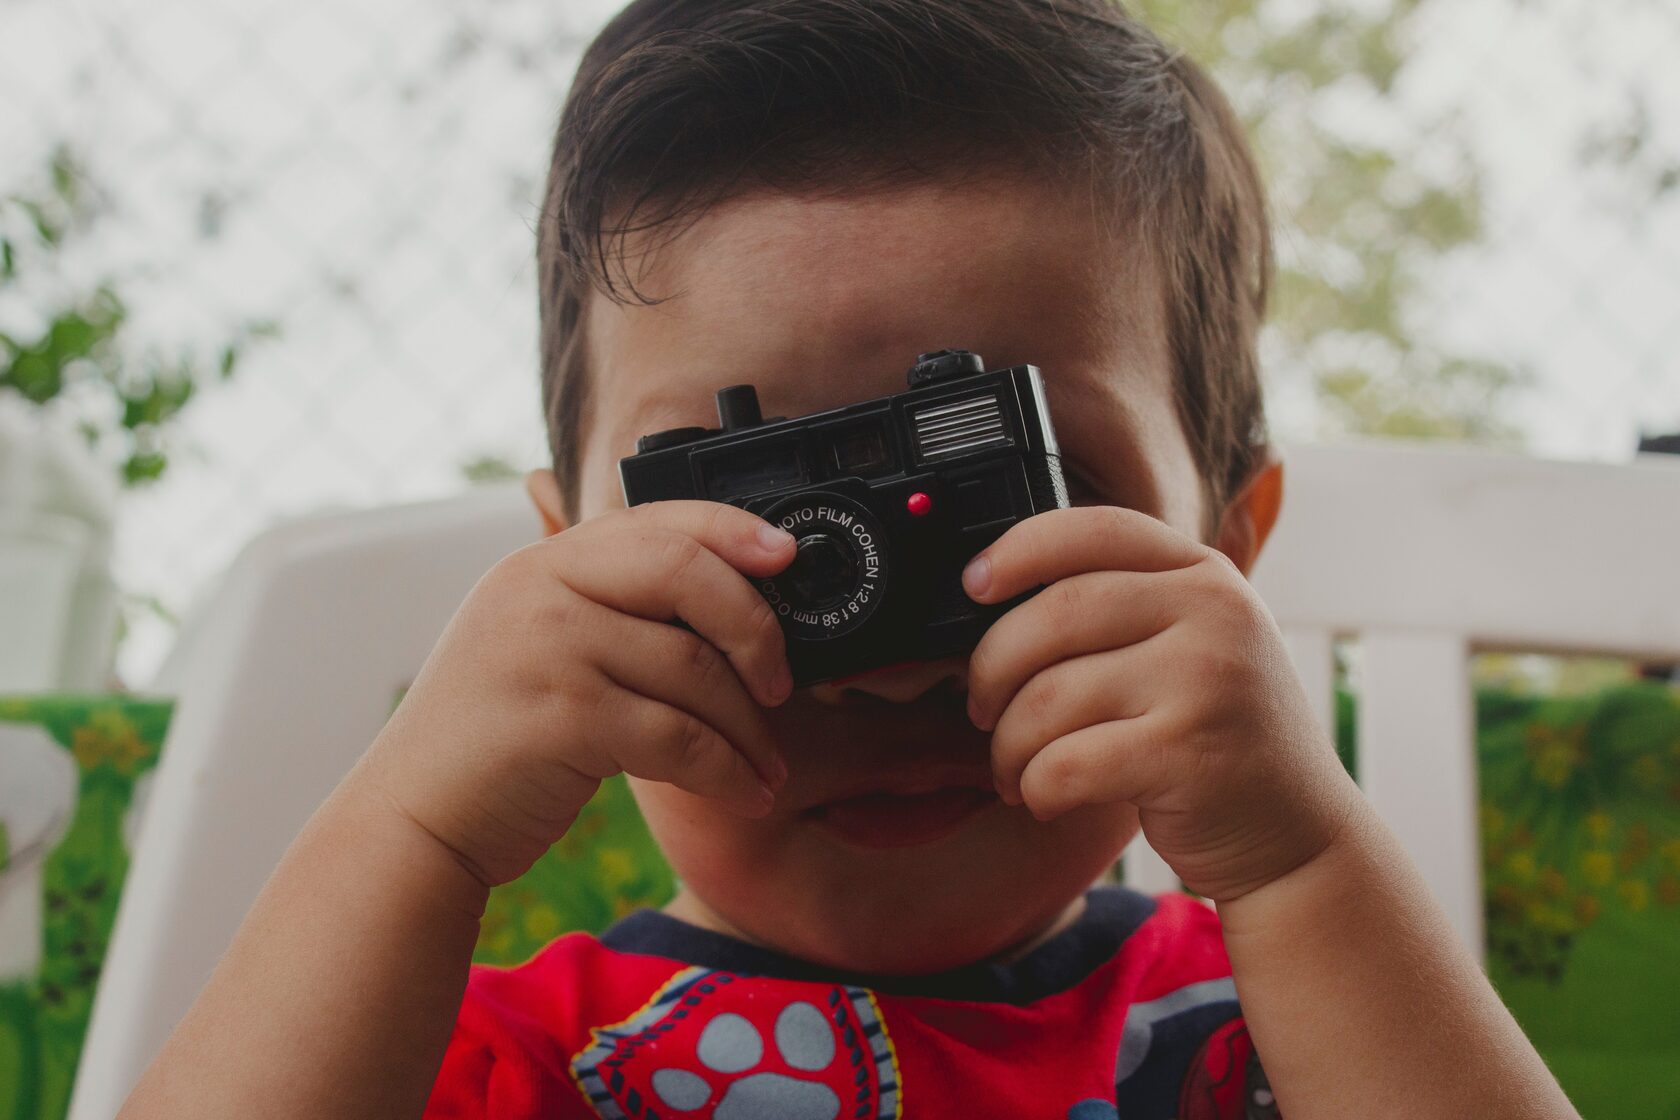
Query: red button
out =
(919, 504)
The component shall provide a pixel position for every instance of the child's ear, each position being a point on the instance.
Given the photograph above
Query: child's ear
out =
(544, 489)
(1249, 518)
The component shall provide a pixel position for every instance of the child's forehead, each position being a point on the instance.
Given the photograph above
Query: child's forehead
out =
(821, 302)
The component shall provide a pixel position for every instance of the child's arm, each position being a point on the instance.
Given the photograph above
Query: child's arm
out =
(1149, 672)
(339, 993)
(1362, 1002)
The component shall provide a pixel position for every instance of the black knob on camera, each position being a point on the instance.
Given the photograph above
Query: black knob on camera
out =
(670, 437)
(937, 365)
(738, 408)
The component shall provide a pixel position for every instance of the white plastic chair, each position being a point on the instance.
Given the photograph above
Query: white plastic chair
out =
(1423, 555)
(283, 676)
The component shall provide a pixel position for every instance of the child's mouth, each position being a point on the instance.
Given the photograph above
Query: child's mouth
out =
(899, 820)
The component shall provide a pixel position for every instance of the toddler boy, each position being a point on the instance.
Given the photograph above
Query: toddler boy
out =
(885, 906)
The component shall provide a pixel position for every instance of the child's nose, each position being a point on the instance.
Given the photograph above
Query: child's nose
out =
(897, 683)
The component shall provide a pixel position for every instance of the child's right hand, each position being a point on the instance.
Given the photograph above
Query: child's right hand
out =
(562, 668)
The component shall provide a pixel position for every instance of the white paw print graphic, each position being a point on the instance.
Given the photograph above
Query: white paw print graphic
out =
(730, 1045)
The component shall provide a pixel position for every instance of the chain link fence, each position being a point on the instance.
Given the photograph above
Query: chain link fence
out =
(348, 192)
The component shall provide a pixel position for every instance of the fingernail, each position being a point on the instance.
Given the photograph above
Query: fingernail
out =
(974, 713)
(778, 772)
(772, 539)
(766, 799)
(977, 576)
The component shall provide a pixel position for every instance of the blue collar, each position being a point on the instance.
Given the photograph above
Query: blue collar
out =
(1111, 915)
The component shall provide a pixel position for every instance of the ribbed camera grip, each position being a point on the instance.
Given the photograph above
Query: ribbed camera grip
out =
(1045, 483)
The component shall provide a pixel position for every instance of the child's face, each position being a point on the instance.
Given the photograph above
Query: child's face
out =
(822, 302)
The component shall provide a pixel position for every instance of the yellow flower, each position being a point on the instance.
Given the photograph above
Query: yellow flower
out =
(617, 868)
(1598, 826)
(1548, 918)
(1599, 868)
(1521, 864)
(1554, 763)
(108, 739)
(541, 922)
(1635, 895)
(1671, 852)
(1553, 882)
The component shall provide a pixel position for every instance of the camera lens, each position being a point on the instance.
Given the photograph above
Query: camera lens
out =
(838, 576)
(823, 572)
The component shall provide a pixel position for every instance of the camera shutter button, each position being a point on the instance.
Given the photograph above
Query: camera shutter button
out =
(937, 365)
(737, 408)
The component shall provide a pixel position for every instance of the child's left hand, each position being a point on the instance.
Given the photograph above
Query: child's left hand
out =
(1148, 671)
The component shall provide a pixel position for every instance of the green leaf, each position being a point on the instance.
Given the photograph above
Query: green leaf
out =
(31, 374)
(143, 467)
(47, 228)
(489, 468)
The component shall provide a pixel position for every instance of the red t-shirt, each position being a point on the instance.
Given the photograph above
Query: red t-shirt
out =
(1128, 1013)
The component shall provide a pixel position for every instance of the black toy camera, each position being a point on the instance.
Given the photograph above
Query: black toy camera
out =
(888, 499)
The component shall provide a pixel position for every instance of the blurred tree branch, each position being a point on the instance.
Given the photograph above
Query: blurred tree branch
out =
(65, 343)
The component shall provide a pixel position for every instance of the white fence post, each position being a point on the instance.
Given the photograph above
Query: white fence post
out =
(1417, 762)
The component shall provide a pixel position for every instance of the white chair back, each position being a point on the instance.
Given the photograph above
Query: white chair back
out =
(286, 674)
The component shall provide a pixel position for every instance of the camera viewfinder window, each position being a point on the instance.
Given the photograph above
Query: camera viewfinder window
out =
(740, 471)
(861, 450)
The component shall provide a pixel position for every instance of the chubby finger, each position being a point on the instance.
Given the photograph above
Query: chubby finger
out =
(665, 744)
(658, 573)
(745, 541)
(1064, 542)
(1100, 764)
(1062, 698)
(687, 672)
(1079, 615)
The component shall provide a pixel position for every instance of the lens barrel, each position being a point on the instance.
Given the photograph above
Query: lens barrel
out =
(838, 577)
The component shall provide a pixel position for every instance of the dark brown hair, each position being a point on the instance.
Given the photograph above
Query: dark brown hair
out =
(678, 104)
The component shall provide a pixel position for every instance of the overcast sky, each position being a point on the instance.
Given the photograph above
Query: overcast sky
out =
(365, 172)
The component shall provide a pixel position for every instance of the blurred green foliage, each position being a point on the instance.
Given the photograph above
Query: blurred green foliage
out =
(604, 867)
(1360, 219)
(43, 1019)
(1581, 814)
(75, 351)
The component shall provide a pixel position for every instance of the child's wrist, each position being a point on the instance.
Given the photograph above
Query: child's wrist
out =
(400, 848)
(1350, 850)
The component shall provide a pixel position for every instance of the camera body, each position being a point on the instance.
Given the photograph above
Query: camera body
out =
(888, 500)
